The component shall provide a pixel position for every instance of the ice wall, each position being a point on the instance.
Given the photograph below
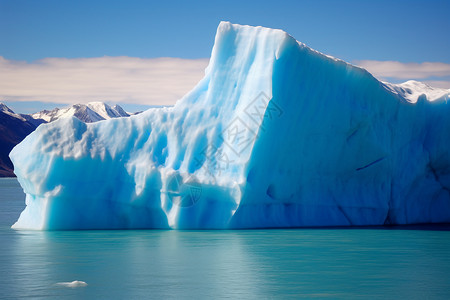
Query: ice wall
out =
(275, 135)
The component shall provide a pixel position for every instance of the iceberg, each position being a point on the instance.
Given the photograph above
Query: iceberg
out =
(276, 134)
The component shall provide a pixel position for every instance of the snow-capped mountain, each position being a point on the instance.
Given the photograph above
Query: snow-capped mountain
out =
(88, 113)
(413, 90)
(13, 129)
(7, 111)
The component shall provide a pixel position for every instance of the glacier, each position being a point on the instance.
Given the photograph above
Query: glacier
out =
(276, 134)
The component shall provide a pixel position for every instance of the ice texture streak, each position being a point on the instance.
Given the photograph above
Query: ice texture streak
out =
(275, 135)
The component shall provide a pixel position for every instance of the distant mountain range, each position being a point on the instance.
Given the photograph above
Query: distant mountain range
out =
(15, 127)
(88, 113)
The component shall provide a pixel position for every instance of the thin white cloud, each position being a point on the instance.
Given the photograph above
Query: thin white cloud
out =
(154, 81)
(434, 73)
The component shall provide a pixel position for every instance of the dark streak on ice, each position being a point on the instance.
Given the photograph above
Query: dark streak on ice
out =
(372, 163)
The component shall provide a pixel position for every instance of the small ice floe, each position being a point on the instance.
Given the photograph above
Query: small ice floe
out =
(73, 284)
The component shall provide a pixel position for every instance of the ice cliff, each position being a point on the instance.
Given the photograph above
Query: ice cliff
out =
(275, 135)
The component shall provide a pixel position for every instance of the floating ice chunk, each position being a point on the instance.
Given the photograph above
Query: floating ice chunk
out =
(73, 284)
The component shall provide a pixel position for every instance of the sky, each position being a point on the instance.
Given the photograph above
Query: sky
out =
(143, 53)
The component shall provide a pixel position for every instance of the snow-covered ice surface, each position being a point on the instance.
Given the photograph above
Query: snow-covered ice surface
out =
(275, 135)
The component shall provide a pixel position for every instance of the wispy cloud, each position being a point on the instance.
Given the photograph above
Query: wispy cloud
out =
(434, 73)
(155, 81)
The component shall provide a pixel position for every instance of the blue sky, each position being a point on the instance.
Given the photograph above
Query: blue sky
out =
(401, 31)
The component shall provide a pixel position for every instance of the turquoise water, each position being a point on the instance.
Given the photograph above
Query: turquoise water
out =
(406, 263)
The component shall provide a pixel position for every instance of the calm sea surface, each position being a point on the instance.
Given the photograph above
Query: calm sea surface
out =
(405, 263)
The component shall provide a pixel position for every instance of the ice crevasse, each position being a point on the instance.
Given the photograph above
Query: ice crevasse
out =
(276, 134)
